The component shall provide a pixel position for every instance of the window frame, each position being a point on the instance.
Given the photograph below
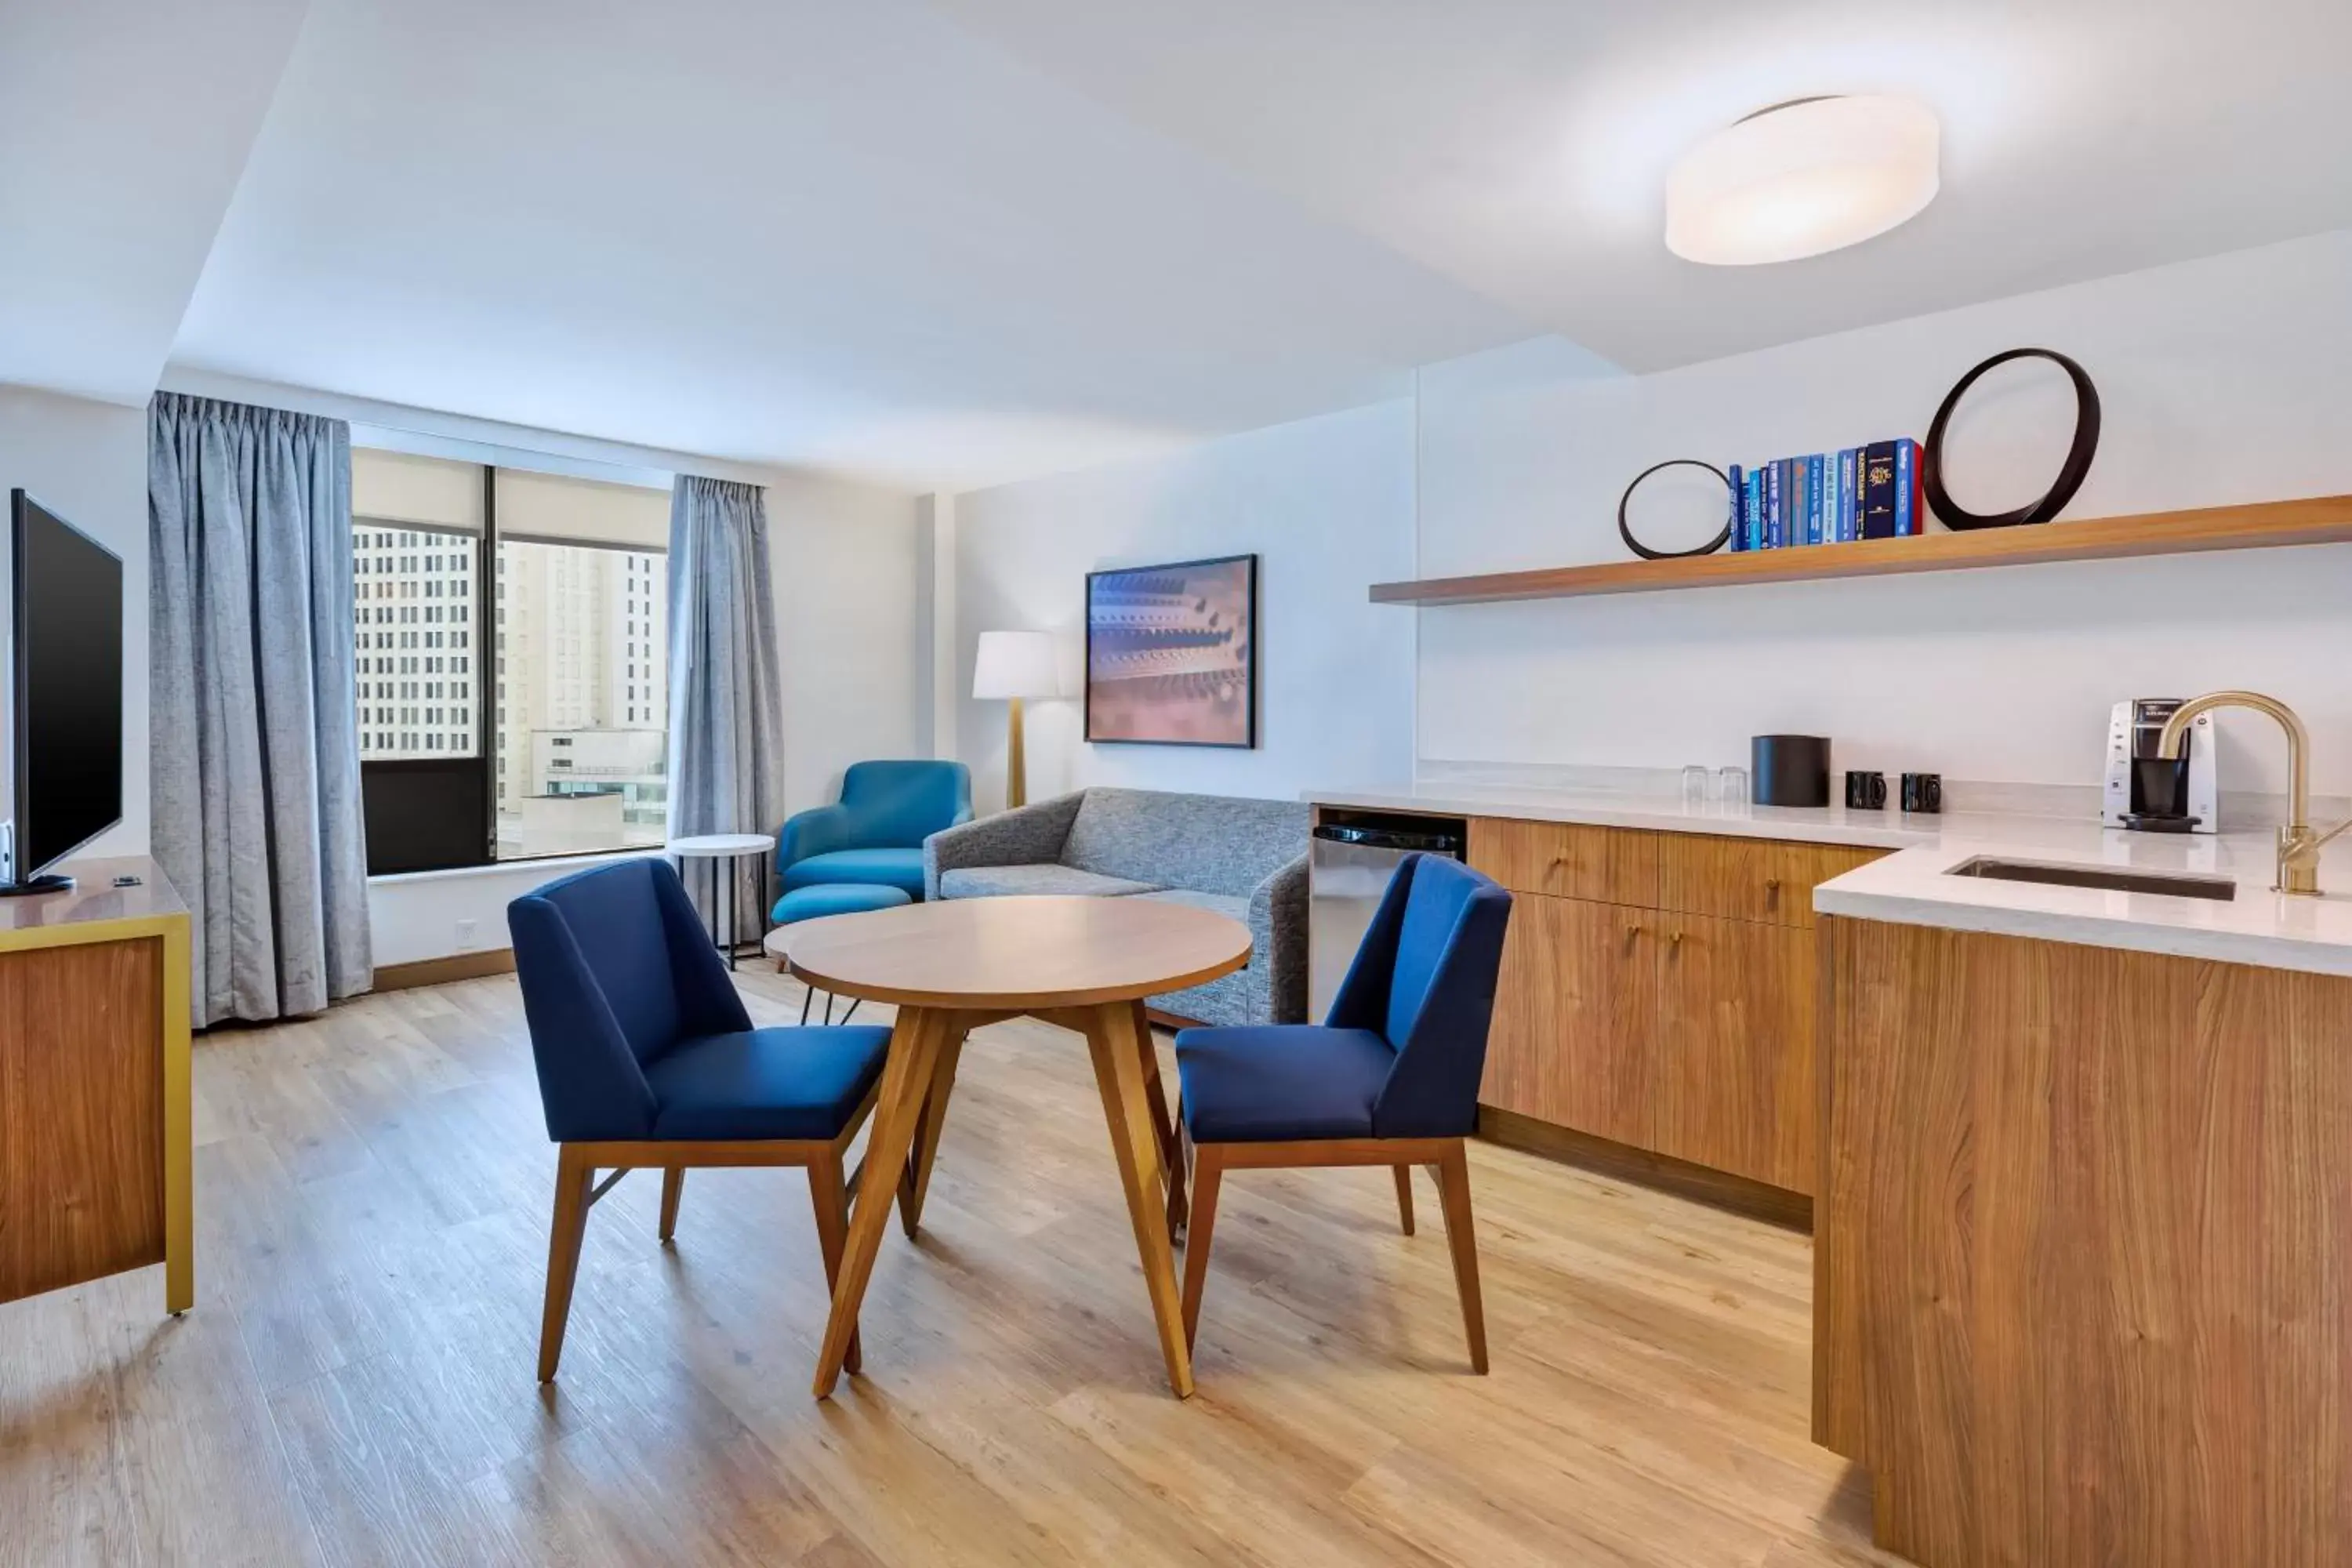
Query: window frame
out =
(485, 675)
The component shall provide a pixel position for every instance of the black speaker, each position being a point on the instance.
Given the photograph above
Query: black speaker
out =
(1791, 770)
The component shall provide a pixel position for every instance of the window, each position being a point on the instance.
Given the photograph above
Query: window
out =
(572, 757)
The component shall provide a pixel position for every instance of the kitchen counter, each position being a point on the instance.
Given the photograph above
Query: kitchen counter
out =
(1910, 887)
(2257, 927)
(1599, 809)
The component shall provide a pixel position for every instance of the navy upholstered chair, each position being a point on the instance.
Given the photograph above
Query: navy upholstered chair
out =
(648, 1059)
(873, 835)
(1389, 1079)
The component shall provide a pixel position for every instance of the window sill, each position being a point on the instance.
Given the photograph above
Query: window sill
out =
(550, 865)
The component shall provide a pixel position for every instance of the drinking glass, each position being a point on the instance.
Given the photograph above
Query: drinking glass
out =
(1731, 789)
(1694, 789)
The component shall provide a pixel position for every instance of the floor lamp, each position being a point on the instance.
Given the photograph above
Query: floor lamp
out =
(1008, 667)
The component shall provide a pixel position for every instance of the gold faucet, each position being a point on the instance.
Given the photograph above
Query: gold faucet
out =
(2298, 845)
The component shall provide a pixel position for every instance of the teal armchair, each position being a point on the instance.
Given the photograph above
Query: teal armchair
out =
(873, 837)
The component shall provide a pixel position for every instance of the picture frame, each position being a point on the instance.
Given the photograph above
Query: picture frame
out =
(1172, 654)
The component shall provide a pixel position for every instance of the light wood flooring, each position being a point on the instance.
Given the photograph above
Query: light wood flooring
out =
(355, 1384)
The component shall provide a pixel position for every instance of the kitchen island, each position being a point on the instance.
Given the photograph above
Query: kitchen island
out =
(2084, 1220)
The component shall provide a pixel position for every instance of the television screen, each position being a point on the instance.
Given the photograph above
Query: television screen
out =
(67, 622)
(1171, 653)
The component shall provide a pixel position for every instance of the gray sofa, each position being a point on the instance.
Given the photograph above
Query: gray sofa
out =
(1246, 858)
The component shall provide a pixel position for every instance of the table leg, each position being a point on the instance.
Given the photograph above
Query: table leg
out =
(917, 1182)
(1135, 1139)
(1171, 1167)
(915, 1043)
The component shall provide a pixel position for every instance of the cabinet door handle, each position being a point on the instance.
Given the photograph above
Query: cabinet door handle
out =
(1772, 890)
(1676, 938)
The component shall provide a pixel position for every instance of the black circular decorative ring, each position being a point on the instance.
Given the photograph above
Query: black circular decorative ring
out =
(2070, 475)
(1643, 550)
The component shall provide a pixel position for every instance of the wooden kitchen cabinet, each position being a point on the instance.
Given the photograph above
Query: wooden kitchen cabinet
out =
(1733, 1068)
(1575, 1017)
(1657, 991)
(1748, 878)
(1568, 859)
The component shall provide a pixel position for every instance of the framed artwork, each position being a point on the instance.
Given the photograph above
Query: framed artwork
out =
(1172, 654)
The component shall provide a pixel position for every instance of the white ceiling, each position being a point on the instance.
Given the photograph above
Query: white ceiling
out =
(849, 236)
(1521, 146)
(943, 243)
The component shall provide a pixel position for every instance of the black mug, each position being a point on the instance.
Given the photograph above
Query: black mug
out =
(1866, 791)
(1923, 793)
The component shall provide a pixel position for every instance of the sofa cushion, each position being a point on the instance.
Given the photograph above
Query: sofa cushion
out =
(998, 881)
(887, 868)
(1219, 903)
(766, 1083)
(1274, 1082)
(1217, 844)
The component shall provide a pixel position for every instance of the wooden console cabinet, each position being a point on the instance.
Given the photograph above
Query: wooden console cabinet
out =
(1658, 989)
(96, 1116)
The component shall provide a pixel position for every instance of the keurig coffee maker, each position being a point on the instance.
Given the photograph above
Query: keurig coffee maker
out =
(2157, 794)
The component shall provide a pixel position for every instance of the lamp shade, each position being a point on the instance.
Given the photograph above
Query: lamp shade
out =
(1803, 178)
(1015, 664)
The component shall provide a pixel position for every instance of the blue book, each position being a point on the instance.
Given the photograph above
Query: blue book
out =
(1906, 523)
(1751, 510)
(1845, 496)
(1816, 509)
(1738, 539)
(1773, 536)
(1874, 491)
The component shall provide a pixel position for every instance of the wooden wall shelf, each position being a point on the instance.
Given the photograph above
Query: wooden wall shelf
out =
(2317, 520)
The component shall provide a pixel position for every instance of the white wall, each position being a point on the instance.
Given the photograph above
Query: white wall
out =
(849, 567)
(1326, 503)
(2222, 381)
(88, 461)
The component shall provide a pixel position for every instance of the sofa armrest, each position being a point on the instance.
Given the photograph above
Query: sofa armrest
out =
(1025, 836)
(1278, 922)
(812, 832)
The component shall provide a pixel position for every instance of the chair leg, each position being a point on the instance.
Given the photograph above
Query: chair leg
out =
(1404, 1196)
(572, 1175)
(1453, 1178)
(1178, 1219)
(829, 1197)
(1208, 1174)
(673, 1188)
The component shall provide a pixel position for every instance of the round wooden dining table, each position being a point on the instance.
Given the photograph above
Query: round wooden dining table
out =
(1084, 963)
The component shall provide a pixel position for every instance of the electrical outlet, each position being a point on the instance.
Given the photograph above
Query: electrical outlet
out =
(465, 935)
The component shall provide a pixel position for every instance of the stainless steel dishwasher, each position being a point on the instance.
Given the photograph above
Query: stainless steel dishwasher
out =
(1349, 865)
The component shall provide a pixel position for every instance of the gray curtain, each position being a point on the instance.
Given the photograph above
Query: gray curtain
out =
(726, 694)
(253, 716)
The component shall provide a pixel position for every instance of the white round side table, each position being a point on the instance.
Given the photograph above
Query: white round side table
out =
(723, 850)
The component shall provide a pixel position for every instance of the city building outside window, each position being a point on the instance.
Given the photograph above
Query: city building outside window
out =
(569, 755)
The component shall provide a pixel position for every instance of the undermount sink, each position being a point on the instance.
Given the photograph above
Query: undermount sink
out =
(2177, 884)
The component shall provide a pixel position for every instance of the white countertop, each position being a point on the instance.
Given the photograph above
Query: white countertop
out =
(1811, 824)
(2258, 926)
(1911, 888)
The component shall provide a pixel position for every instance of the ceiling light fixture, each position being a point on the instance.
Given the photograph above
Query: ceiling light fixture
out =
(1801, 178)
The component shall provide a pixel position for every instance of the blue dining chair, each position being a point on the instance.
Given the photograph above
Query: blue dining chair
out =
(647, 1059)
(1389, 1079)
(873, 835)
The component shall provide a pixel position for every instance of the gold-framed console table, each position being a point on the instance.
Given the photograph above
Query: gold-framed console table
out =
(96, 1112)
